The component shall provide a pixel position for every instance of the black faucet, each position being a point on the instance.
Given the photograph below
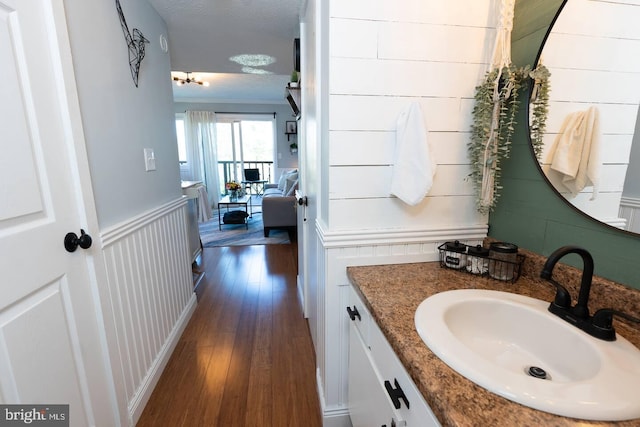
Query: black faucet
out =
(600, 325)
(562, 300)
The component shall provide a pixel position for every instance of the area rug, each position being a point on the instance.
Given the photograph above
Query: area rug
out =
(238, 235)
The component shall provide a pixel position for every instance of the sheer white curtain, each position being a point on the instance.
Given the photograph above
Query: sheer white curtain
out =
(202, 151)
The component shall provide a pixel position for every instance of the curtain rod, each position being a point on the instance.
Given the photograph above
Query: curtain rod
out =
(241, 112)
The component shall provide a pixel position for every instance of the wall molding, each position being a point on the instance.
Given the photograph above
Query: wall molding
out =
(353, 238)
(112, 234)
(631, 202)
(630, 210)
(340, 249)
(139, 401)
(148, 298)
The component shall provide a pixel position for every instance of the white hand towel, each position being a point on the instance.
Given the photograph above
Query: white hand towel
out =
(414, 166)
(575, 156)
(204, 209)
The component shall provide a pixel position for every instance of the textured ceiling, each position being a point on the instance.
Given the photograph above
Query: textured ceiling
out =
(204, 34)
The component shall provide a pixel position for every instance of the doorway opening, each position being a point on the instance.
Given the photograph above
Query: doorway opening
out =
(245, 142)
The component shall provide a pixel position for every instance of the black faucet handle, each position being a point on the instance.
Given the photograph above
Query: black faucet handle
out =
(562, 298)
(603, 318)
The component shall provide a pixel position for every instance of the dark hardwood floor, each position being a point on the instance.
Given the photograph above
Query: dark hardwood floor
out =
(246, 357)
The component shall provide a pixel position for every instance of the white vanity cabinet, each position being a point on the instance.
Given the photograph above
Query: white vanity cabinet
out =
(381, 392)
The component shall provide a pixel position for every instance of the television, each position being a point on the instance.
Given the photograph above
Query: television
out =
(293, 98)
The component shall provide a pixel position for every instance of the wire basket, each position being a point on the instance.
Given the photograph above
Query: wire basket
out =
(463, 259)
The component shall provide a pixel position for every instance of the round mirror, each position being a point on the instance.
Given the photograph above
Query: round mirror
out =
(591, 154)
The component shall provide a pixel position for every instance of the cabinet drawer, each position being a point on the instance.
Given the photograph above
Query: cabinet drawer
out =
(391, 369)
(359, 315)
(369, 405)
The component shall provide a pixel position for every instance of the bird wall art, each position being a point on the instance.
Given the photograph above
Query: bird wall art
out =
(135, 44)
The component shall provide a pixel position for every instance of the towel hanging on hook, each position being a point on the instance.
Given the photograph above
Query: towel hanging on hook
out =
(414, 165)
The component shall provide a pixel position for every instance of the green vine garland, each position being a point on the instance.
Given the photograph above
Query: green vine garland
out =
(494, 122)
(539, 107)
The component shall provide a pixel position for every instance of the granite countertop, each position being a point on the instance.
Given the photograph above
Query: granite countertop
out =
(392, 294)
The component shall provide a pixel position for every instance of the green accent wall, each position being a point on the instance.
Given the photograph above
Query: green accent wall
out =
(529, 212)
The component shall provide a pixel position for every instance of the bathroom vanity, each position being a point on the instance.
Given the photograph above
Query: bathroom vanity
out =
(386, 298)
(375, 372)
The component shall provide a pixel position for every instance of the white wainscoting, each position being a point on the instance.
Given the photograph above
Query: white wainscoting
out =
(150, 288)
(630, 210)
(340, 250)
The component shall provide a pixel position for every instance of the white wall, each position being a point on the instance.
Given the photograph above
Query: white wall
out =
(593, 54)
(383, 57)
(143, 265)
(373, 58)
(120, 119)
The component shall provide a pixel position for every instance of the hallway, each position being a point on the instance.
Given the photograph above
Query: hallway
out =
(246, 357)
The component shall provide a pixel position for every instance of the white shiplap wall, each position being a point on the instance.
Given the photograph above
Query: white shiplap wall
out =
(593, 54)
(382, 56)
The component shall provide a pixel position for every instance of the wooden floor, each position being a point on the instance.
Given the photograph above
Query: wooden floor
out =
(246, 357)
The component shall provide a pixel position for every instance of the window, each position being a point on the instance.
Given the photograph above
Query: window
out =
(245, 141)
(182, 144)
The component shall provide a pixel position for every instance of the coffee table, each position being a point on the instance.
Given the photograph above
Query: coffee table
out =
(238, 201)
(257, 186)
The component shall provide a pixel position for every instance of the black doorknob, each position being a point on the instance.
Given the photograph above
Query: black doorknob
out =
(72, 241)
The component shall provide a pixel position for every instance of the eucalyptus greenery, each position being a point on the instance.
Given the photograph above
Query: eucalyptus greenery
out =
(539, 107)
(494, 121)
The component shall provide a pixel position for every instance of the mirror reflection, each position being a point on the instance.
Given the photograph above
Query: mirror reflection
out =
(590, 152)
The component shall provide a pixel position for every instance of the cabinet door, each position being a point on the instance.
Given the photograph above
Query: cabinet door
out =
(360, 316)
(369, 405)
(390, 367)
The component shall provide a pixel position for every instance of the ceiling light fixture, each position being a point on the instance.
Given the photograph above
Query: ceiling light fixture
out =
(188, 79)
(251, 70)
(253, 60)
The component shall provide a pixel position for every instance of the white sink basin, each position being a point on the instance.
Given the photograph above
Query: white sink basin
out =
(493, 338)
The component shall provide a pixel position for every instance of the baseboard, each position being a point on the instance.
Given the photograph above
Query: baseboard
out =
(300, 287)
(337, 418)
(331, 417)
(144, 393)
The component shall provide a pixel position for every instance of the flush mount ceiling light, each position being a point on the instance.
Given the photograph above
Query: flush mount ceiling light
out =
(251, 62)
(252, 70)
(189, 79)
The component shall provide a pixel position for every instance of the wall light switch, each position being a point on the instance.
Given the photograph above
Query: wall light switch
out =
(149, 160)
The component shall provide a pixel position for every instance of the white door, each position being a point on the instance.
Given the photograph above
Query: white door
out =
(49, 332)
